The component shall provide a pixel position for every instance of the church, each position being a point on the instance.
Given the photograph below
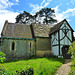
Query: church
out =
(23, 41)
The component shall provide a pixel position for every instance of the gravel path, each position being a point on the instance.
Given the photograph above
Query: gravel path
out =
(65, 68)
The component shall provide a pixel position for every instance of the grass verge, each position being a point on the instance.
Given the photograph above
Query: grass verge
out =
(41, 66)
(72, 72)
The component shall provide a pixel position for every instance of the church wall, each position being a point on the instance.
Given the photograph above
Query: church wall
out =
(22, 48)
(43, 46)
(67, 38)
(55, 44)
(55, 50)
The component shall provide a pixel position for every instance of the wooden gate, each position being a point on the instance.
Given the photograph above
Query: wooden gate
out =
(65, 52)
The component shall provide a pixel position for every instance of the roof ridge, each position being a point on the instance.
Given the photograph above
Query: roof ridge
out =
(17, 23)
(56, 26)
(59, 22)
(41, 24)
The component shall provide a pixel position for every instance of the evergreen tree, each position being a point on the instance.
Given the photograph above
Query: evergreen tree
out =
(25, 18)
(45, 15)
(48, 15)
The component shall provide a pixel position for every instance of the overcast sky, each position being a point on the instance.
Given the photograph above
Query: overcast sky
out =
(64, 9)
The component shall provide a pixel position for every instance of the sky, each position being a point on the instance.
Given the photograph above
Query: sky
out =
(64, 9)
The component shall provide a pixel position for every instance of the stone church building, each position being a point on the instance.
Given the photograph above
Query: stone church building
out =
(23, 41)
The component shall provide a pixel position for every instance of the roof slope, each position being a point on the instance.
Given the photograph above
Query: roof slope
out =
(57, 26)
(41, 30)
(16, 30)
(29, 31)
(25, 31)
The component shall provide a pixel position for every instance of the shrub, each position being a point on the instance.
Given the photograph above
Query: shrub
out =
(72, 50)
(2, 71)
(25, 72)
(2, 57)
(72, 72)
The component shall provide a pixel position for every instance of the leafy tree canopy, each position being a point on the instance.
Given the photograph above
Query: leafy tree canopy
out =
(24, 18)
(44, 16)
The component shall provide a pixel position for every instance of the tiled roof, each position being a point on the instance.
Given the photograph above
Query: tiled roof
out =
(29, 31)
(16, 30)
(41, 30)
(57, 26)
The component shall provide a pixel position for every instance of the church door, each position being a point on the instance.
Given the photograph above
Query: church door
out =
(65, 52)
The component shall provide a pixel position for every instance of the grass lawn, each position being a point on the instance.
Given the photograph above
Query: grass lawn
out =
(41, 66)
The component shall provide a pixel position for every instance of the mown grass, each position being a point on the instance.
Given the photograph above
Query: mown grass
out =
(41, 66)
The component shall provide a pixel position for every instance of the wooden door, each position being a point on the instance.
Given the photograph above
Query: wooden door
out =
(65, 52)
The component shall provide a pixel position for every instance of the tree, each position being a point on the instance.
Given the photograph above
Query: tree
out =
(45, 15)
(48, 15)
(72, 50)
(24, 18)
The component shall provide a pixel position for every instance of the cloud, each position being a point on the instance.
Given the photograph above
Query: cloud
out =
(71, 11)
(43, 2)
(7, 14)
(73, 2)
(37, 7)
(59, 16)
(17, 0)
(64, 14)
(46, 4)
(6, 4)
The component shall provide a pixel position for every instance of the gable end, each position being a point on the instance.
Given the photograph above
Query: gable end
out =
(4, 28)
(57, 26)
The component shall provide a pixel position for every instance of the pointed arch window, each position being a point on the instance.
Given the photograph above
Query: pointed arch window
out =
(30, 46)
(13, 45)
